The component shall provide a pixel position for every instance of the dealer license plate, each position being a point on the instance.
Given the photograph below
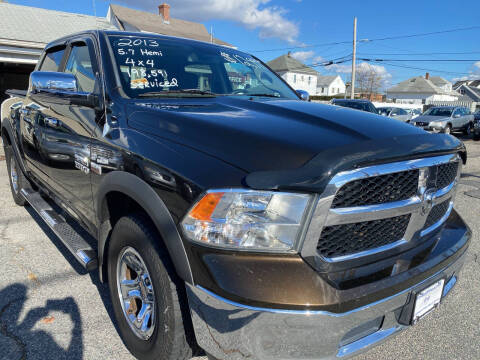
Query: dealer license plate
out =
(427, 300)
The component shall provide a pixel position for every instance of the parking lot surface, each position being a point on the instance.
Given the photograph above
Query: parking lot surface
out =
(51, 309)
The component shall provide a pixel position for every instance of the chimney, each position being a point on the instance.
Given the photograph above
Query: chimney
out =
(427, 76)
(164, 11)
(289, 53)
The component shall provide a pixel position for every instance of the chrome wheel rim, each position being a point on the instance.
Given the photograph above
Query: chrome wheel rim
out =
(136, 294)
(447, 130)
(14, 174)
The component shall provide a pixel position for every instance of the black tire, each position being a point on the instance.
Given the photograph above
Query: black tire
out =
(169, 339)
(21, 181)
(468, 129)
(448, 129)
(476, 136)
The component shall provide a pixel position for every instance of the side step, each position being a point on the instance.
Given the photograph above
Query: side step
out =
(74, 242)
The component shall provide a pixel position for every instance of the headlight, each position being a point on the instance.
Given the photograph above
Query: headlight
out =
(437, 124)
(247, 219)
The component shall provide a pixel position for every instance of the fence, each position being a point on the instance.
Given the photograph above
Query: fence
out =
(468, 104)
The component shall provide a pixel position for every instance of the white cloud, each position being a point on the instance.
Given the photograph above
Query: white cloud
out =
(302, 56)
(477, 65)
(270, 20)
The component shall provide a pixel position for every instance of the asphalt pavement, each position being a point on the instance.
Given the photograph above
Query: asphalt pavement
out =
(51, 309)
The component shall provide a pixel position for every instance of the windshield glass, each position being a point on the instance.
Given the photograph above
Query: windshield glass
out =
(364, 106)
(156, 66)
(439, 112)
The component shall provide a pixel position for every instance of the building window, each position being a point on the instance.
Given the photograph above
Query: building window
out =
(294, 78)
(309, 78)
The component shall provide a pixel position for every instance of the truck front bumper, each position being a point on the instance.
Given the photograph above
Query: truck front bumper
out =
(230, 330)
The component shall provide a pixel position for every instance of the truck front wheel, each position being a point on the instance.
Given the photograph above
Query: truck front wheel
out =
(15, 176)
(146, 293)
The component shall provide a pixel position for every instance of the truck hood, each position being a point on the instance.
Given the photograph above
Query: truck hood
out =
(271, 135)
(430, 118)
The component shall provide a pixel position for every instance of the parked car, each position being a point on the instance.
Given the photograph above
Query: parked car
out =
(357, 104)
(446, 119)
(476, 126)
(414, 112)
(396, 113)
(235, 218)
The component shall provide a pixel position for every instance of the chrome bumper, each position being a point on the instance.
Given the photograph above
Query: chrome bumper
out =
(228, 330)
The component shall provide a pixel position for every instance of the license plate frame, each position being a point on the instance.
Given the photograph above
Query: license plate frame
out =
(427, 300)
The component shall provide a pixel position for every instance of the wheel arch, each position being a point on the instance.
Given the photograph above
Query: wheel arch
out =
(124, 184)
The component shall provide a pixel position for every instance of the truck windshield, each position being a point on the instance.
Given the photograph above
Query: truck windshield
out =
(157, 66)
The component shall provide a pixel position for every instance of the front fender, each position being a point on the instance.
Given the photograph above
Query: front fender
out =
(148, 199)
(10, 132)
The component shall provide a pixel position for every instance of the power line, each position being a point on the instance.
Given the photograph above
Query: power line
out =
(423, 69)
(422, 60)
(374, 39)
(432, 53)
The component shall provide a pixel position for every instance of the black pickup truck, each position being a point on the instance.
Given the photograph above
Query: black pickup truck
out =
(226, 213)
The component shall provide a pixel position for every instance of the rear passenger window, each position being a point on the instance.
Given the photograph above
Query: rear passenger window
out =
(52, 60)
(80, 64)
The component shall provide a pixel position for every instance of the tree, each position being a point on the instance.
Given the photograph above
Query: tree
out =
(369, 79)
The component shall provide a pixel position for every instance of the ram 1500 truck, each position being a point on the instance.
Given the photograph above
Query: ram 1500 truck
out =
(223, 211)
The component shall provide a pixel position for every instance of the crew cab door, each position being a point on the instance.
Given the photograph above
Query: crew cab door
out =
(67, 132)
(32, 123)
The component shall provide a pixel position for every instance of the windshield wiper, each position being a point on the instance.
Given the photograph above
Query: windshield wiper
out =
(178, 91)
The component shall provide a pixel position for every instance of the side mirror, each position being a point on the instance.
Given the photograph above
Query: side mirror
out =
(304, 95)
(59, 87)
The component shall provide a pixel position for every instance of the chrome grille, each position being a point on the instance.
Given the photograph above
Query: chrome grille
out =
(341, 240)
(446, 174)
(378, 189)
(436, 214)
(415, 198)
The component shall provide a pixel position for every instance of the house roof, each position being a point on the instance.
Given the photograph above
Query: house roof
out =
(150, 22)
(287, 63)
(469, 93)
(416, 85)
(439, 81)
(325, 80)
(43, 25)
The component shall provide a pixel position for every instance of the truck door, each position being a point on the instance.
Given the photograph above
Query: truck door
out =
(32, 119)
(68, 132)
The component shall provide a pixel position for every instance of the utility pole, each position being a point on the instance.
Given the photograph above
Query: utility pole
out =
(352, 87)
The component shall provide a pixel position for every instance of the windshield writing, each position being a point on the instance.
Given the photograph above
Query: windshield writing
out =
(151, 66)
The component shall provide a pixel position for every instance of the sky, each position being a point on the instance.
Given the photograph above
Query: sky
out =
(319, 31)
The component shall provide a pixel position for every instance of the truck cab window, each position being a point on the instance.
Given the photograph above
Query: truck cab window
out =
(52, 60)
(80, 64)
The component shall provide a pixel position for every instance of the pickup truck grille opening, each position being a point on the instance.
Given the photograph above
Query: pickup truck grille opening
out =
(378, 189)
(446, 174)
(437, 212)
(341, 240)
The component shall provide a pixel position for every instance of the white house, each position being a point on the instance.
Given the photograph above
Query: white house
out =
(422, 90)
(299, 76)
(330, 85)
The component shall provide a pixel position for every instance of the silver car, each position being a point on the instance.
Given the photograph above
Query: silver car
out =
(396, 113)
(446, 119)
